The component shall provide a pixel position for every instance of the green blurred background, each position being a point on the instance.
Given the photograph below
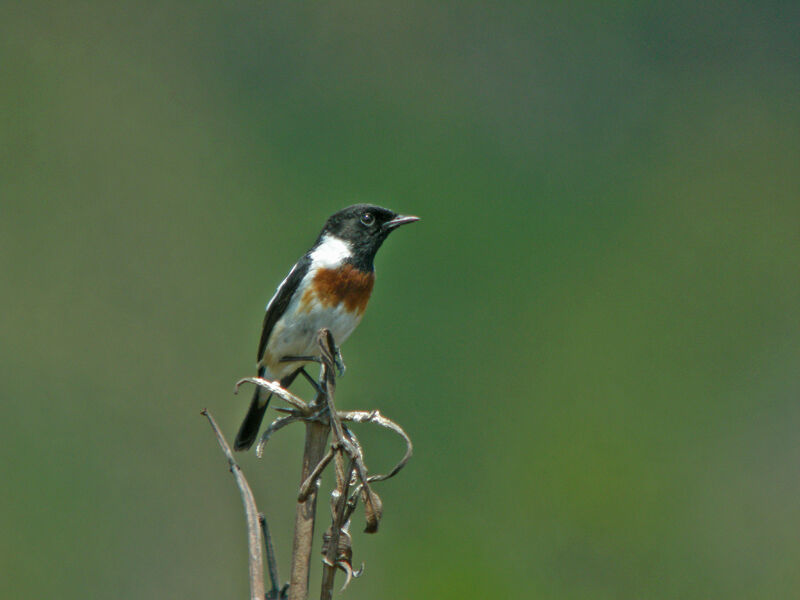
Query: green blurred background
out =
(593, 336)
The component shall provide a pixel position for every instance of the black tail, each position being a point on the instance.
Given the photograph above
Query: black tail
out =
(248, 432)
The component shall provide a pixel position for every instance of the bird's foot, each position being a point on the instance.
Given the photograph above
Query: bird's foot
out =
(289, 359)
(312, 381)
(338, 361)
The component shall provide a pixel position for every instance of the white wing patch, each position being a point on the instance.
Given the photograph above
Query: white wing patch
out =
(295, 333)
(330, 253)
(280, 287)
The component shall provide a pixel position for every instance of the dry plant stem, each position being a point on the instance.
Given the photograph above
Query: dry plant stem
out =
(310, 484)
(362, 416)
(315, 446)
(341, 445)
(256, 560)
(352, 483)
(276, 425)
(272, 563)
(371, 500)
(329, 565)
(276, 389)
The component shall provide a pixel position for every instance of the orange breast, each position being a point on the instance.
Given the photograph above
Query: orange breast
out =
(345, 285)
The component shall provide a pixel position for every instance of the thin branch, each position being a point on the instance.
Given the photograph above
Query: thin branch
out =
(276, 425)
(363, 416)
(352, 478)
(372, 502)
(276, 389)
(275, 593)
(310, 484)
(317, 434)
(256, 561)
(336, 553)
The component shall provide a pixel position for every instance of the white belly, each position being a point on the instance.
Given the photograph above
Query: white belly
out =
(295, 334)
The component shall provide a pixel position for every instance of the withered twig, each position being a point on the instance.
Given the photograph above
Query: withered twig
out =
(374, 416)
(256, 561)
(336, 554)
(276, 389)
(315, 444)
(342, 513)
(310, 484)
(277, 424)
(275, 593)
(353, 482)
(317, 433)
(372, 502)
(328, 355)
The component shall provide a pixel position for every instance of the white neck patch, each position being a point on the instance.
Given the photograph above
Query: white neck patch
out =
(331, 252)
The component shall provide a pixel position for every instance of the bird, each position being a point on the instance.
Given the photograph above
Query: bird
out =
(329, 287)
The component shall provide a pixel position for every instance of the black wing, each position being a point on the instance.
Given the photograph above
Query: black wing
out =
(280, 301)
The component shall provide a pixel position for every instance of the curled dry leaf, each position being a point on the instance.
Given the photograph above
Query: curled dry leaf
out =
(274, 388)
(349, 573)
(352, 484)
(373, 509)
(344, 550)
(276, 425)
(374, 416)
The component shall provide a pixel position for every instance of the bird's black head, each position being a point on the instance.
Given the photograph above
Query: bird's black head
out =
(364, 227)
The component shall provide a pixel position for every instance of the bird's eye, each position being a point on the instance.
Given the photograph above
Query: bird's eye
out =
(367, 219)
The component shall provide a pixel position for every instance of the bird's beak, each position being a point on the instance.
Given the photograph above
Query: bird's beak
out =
(399, 220)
